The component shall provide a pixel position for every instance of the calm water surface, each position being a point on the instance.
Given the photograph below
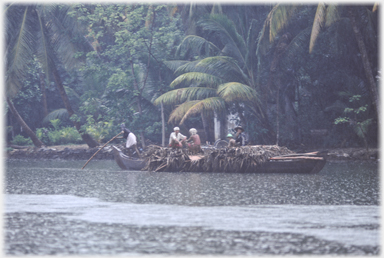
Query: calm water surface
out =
(55, 207)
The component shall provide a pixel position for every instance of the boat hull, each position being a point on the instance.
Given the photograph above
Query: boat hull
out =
(125, 162)
(304, 166)
(309, 163)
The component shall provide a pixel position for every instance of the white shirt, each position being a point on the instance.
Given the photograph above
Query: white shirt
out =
(131, 140)
(178, 137)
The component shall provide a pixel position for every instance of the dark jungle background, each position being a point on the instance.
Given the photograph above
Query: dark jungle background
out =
(293, 75)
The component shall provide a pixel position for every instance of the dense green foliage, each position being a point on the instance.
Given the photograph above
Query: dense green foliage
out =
(252, 61)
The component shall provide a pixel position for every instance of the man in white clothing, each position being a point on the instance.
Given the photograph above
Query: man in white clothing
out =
(176, 139)
(131, 138)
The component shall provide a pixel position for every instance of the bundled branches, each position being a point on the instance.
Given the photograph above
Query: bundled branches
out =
(165, 159)
(236, 160)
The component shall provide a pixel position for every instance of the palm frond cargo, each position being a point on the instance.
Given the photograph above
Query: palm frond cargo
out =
(246, 159)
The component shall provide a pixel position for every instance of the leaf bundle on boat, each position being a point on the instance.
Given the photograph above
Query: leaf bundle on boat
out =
(246, 159)
(241, 159)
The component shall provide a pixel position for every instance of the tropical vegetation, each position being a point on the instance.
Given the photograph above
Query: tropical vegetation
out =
(285, 72)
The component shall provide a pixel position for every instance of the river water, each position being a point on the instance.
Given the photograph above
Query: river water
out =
(56, 208)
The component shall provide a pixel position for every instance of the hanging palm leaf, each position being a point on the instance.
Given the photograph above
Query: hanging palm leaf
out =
(280, 19)
(179, 112)
(206, 106)
(175, 64)
(318, 23)
(22, 42)
(68, 35)
(175, 97)
(221, 66)
(332, 15)
(196, 79)
(250, 57)
(375, 7)
(234, 91)
(198, 45)
(226, 30)
(276, 21)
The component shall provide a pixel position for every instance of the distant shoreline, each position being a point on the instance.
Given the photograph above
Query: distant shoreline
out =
(82, 152)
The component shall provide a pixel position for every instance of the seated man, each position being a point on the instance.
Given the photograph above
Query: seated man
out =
(231, 141)
(240, 136)
(176, 139)
(195, 144)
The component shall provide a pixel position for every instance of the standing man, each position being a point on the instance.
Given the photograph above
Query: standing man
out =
(176, 139)
(131, 138)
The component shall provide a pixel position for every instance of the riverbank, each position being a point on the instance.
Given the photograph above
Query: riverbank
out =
(82, 152)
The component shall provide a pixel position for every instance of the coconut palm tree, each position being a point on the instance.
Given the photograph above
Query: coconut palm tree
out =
(210, 91)
(47, 32)
(222, 76)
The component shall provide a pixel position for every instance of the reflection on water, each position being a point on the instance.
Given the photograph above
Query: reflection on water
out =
(337, 209)
(352, 225)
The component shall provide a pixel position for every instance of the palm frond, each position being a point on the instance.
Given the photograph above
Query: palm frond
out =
(178, 113)
(206, 106)
(221, 66)
(263, 40)
(61, 114)
(174, 64)
(21, 46)
(318, 23)
(250, 57)
(280, 19)
(234, 91)
(375, 7)
(189, 66)
(332, 15)
(198, 45)
(175, 97)
(67, 35)
(196, 79)
(277, 19)
(45, 52)
(226, 30)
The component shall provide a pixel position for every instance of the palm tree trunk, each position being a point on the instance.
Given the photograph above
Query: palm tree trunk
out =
(86, 137)
(24, 125)
(205, 126)
(43, 94)
(277, 115)
(162, 125)
(366, 64)
(135, 84)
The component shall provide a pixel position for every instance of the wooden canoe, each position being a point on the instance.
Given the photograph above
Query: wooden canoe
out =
(297, 163)
(125, 162)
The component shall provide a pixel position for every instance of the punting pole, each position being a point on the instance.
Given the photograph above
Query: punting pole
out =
(101, 149)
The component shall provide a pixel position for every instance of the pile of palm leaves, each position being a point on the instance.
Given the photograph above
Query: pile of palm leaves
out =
(165, 159)
(241, 159)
